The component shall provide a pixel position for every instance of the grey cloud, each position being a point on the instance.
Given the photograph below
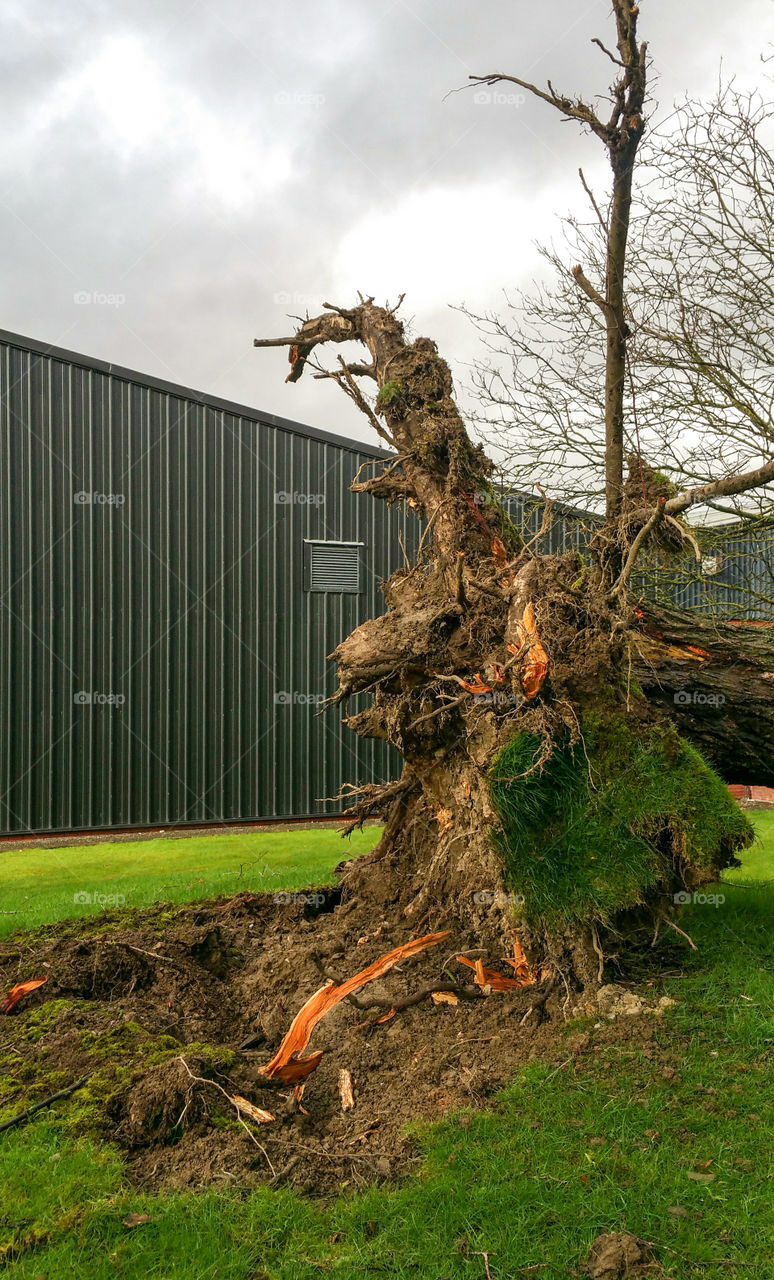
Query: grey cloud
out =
(347, 104)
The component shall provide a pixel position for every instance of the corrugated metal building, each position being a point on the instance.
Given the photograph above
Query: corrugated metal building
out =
(174, 570)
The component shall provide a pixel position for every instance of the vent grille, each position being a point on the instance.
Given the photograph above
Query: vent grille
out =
(334, 566)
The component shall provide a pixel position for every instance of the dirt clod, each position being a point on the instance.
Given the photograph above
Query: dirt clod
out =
(615, 1255)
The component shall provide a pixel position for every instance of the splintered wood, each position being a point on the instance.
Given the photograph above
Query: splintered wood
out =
(490, 979)
(287, 1065)
(346, 1091)
(19, 991)
(255, 1113)
(535, 668)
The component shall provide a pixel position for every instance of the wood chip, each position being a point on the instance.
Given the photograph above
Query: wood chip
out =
(21, 989)
(255, 1113)
(489, 979)
(444, 997)
(346, 1092)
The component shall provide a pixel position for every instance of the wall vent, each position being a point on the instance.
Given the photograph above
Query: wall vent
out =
(333, 566)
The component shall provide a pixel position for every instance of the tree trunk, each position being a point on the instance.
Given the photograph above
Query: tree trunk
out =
(502, 677)
(716, 681)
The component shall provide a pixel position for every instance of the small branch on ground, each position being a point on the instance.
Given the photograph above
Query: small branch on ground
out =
(46, 1102)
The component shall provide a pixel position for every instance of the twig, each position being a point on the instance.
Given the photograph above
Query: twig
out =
(545, 523)
(599, 951)
(430, 715)
(592, 198)
(682, 932)
(611, 56)
(485, 1256)
(140, 951)
(656, 518)
(283, 1173)
(31, 1111)
(235, 1105)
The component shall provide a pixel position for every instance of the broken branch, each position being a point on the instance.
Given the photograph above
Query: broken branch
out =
(286, 1064)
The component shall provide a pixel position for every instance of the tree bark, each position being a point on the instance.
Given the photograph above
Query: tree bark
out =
(716, 681)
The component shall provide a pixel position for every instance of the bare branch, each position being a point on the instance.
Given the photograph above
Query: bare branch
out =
(571, 110)
(725, 488)
(585, 284)
(656, 517)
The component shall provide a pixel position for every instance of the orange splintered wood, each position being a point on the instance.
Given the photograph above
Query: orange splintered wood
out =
(286, 1065)
(489, 977)
(524, 973)
(694, 648)
(21, 989)
(477, 685)
(499, 552)
(535, 667)
(534, 671)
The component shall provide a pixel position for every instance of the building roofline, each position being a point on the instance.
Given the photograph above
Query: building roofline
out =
(96, 365)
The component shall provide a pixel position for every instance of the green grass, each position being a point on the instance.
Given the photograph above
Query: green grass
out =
(757, 861)
(40, 886)
(578, 849)
(604, 1140)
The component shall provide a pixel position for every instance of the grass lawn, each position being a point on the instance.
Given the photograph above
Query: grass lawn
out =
(677, 1147)
(40, 886)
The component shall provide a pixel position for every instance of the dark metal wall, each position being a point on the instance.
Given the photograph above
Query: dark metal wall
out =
(160, 659)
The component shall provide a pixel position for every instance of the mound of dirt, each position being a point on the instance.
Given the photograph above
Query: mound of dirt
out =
(617, 1255)
(171, 1012)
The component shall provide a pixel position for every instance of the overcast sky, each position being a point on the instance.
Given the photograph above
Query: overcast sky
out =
(176, 178)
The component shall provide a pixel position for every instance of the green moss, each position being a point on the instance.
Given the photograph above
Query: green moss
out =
(389, 392)
(116, 1055)
(37, 1022)
(130, 1039)
(604, 823)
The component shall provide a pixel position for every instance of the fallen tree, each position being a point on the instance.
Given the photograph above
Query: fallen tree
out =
(716, 681)
(546, 791)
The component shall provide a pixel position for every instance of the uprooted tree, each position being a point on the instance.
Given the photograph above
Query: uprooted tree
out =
(549, 787)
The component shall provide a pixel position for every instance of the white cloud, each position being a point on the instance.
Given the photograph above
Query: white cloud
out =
(447, 243)
(137, 113)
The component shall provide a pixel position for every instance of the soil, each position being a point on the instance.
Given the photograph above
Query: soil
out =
(618, 1254)
(143, 1002)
